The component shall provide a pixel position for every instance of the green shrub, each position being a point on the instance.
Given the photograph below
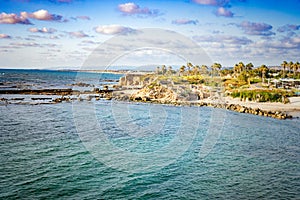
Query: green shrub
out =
(261, 95)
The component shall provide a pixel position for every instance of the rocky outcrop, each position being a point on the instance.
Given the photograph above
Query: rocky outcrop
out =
(162, 95)
(155, 93)
(40, 91)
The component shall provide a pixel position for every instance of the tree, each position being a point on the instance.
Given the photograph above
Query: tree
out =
(284, 65)
(203, 69)
(182, 70)
(189, 67)
(296, 66)
(196, 70)
(163, 69)
(249, 66)
(241, 66)
(263, 69)
(215, 68)
(290, 65)
(225, 72)
(236, 69)
(170, 70)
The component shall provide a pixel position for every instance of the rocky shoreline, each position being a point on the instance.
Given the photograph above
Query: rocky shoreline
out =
(228, 106)
(165, 97)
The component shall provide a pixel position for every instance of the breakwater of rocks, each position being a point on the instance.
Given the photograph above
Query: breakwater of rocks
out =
(227, 106)
(244, 109)
(52, 96)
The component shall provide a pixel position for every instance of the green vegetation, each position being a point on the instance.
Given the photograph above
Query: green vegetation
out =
(242, 81)
(262, 95)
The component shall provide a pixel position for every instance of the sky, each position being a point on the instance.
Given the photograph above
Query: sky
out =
(63, 34)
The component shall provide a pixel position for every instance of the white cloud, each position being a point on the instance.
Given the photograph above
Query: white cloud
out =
(217, 3)
(12, 18)
(4, 36)
(132, 8)
(78, 34)
(23, 18)
(184, 21)
(207, 2)
(226, 39)
(42, 30)
(45, 15)
(253, 28)
(221, 11)
(113, 29)
(83, 17)
(23, 44)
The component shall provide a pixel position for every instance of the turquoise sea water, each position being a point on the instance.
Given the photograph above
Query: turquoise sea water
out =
(40, 79)
(43, 156)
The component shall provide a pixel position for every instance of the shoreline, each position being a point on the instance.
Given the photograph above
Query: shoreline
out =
(267, 109)
(292, 108)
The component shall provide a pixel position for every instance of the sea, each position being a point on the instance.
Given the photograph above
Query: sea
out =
(123, 150)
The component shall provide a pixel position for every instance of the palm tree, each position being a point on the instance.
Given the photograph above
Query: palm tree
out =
(290, 65)
(241, 66)
(196, 70)
(203, 69)
(296, 66)
(284, 65)
(236, 69)
(189, 67)
(182, 70)
(263, 69)
(249, 66)
(163, 69)
(216, 67)
(170, 70)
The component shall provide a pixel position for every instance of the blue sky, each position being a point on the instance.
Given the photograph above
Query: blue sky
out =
(63, 33)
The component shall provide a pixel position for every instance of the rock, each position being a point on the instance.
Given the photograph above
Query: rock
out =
(137, 98)
(155, 93)
(241, 110)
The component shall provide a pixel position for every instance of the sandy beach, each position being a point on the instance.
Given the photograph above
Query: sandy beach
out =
(292, 108)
